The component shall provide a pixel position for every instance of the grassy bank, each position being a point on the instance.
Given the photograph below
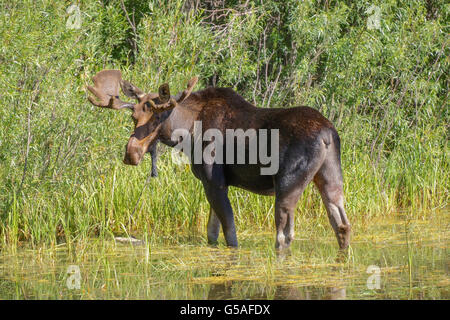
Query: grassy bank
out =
(61, 175)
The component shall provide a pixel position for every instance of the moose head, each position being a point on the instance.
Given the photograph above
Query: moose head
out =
(148, 113)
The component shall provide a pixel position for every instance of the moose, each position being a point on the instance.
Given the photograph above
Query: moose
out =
(308, 150)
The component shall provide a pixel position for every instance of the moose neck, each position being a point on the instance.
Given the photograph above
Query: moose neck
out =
(181, 117)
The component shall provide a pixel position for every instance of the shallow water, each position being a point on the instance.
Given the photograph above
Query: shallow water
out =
(389, 259)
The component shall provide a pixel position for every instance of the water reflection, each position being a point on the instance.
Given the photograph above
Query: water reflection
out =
(225, 291)
(231, 289)
(312, 269)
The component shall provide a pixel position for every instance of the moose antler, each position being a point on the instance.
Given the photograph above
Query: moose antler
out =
(181, 96)
(106, 90)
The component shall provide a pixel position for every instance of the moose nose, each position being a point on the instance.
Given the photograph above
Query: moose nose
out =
(133, 153)
(130, 160)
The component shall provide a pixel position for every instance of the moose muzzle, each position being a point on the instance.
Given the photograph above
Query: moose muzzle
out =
(134, 152)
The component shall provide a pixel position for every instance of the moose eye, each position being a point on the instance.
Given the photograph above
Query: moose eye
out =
(146, 106)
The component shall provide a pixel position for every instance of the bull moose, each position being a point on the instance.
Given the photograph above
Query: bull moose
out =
(308, 150)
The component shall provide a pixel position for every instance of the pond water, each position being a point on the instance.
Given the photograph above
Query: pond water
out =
(389, 259)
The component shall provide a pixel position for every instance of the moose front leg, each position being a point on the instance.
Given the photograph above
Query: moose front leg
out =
(220, 204)
(213, 227)
(152, 149)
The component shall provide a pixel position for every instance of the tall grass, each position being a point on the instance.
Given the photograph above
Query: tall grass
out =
(61, 175)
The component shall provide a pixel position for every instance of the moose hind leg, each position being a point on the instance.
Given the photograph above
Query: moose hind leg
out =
(213, 227)
(329, 182)
(284, 221)
(286, 199)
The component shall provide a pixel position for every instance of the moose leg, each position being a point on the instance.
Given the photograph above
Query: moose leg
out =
(218, 199)
(285, 203)
(154, 155)
(213, 227)
(284, 214)
(289, 186)
(329, 182)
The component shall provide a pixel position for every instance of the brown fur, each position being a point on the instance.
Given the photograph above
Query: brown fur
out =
(305, 136)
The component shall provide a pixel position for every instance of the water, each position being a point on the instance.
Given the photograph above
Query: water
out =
(389, 259)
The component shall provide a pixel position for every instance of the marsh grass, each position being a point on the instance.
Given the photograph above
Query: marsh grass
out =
(172, 209)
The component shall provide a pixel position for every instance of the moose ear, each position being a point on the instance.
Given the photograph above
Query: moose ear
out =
(164, 93)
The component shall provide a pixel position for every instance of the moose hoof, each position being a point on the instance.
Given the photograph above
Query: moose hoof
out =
(343, 236)
(213, 243)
